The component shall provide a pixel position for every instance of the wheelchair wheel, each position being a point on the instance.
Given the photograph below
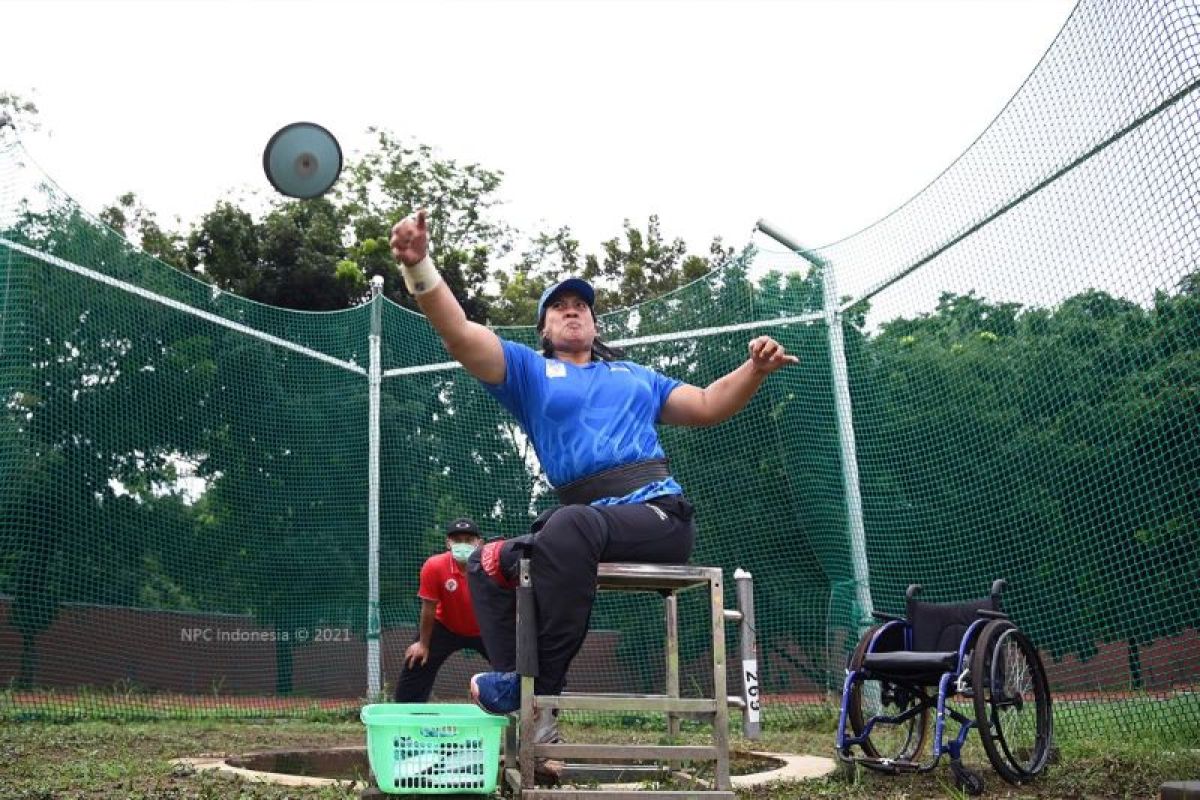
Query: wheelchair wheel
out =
(873, 698)
(1012, 702)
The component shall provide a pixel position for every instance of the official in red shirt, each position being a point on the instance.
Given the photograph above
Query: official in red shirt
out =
(447, 619)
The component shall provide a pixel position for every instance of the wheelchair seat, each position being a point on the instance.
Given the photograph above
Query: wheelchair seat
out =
(911, 664)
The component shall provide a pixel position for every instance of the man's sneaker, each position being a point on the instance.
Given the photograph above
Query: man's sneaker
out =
(497, 692)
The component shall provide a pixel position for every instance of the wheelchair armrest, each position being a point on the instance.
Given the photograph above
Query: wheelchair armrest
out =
(882, 617)
(989, 614)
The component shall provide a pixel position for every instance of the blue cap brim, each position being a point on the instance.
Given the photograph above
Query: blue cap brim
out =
(577, 285)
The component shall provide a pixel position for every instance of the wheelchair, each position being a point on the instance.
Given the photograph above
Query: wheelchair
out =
(960, 662)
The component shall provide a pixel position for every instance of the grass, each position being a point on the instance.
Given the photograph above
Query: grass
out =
(131, 759)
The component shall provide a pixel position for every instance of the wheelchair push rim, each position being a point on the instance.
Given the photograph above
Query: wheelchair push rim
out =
(1012, 702)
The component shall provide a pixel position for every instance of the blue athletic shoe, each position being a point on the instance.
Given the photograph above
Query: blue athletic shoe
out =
(497, 692)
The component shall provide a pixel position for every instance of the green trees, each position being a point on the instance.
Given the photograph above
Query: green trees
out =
(130, 217)
(1064, 440)
(317, 255)
(81, 384)
(293, 258)
(150, 459)
(644, 265)
(1056, 447)
(395, 179)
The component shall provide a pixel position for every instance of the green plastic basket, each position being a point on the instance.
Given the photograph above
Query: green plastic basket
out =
(433, 748)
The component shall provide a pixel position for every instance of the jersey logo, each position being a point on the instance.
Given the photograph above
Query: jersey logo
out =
(451, 585)
(556, 369)
(619, 369)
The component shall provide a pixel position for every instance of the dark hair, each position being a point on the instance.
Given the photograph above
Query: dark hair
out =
(600, 350)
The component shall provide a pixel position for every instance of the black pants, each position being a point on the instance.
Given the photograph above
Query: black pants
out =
(416, 683)
(567, 547)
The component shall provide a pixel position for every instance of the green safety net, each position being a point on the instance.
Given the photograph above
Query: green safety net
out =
(1009, 389)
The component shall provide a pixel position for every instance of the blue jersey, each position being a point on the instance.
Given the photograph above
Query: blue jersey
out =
(585, 419)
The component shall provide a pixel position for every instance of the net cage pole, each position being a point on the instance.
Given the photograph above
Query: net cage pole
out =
(845, 420)
(374, 382)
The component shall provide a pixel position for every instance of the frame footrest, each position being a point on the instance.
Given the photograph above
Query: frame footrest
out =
(626, 702)
(585, 752)
(898, 765)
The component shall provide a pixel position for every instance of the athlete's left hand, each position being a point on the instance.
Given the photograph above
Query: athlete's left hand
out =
(768, 355)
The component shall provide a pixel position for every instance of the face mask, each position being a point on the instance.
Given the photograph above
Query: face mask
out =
(461, 551)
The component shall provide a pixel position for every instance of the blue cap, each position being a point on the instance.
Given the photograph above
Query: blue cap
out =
(582, 287)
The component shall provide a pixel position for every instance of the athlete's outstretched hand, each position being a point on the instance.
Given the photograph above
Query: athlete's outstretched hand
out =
(410, 239)
(768, 355)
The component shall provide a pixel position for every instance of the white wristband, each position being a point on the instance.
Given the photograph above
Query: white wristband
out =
(421, 277)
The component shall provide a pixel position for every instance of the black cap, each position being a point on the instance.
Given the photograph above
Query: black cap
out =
(463, 525)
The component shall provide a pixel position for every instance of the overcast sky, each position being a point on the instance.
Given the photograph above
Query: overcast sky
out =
(820, 116)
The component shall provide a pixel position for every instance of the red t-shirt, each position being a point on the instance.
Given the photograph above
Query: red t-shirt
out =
(443, 582)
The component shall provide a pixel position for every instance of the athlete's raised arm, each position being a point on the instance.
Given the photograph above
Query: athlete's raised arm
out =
(469, 343)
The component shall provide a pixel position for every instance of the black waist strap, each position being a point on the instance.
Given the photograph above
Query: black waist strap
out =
(614, 482)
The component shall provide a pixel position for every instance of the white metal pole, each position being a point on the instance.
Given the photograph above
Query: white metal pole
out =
(374, 380)
(845, 422)
(748, 640)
